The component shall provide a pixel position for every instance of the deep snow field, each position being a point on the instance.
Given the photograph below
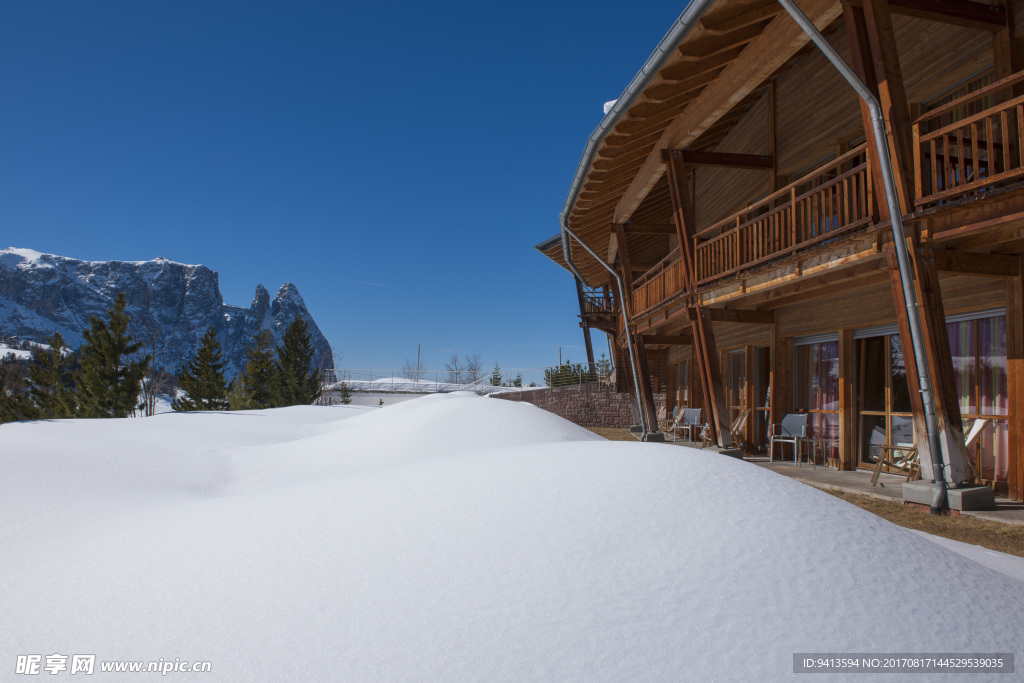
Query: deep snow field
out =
(455, 538)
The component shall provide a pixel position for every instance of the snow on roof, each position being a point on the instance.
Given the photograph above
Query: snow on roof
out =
(454, 537)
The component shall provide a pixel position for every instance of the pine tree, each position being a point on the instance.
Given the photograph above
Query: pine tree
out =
(202, 379)
(496, 375)
(237, 398)
(298, 382)
(259, 378)
(50, 380)
(14, 400)
(344, 394)
(108, 382)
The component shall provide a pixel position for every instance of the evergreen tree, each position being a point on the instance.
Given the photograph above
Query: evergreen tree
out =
(298, 382)
(50, 380)
(237, 398)
(565, 374)
(259, 378)
(14, 400)
(496, 375)
(345, 394)
(202, 379)
(108, 382)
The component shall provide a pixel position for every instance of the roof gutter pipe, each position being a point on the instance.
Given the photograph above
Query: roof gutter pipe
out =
(686, 21)
(899, 239)
(645, 428)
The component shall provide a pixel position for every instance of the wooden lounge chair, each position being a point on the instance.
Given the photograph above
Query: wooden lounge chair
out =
(902, 457)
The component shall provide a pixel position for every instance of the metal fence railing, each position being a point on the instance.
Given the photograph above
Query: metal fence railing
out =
(441, 381)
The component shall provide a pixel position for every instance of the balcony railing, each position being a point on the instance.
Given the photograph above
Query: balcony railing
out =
(835, 198)
(598, 302)
(659, 283)
(969, 144)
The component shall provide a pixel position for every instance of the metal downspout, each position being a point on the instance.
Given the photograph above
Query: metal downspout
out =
(896, 215)
(645, 428)
(686, 21)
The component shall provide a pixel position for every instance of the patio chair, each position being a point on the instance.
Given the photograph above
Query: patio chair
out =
(902, 457)
(668, 424)
(793, 430)
(690, 421)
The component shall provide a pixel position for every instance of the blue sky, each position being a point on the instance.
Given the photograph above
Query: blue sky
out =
(397, 161)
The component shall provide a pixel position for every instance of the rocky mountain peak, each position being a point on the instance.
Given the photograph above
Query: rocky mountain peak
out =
(171, 305)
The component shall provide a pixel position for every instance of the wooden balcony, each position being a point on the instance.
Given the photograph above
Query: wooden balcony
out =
(969, 144)
(834, 199)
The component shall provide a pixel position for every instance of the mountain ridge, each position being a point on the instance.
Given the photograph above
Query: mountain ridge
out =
(171, 305)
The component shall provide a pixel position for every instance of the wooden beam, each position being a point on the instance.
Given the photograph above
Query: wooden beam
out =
(711, 45)
(781, 39)
(668, 340)
(1015, 382)
(761, 162)
(678, 72)
(649, 228)
(892, 96)
(626, 269)
(958, 12)
(847, 403)
(972, 263)
(726, 20)
(646, 392)
(739, 315)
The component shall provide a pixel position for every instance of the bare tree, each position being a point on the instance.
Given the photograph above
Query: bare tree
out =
(474, 367)
(157, 381)
(455, 368)
(413, 369)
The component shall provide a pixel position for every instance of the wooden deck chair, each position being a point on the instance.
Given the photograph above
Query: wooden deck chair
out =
(901, 456)
(972, 435)
(667, 424)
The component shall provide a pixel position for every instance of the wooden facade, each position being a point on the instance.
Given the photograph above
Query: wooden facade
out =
(741, 200)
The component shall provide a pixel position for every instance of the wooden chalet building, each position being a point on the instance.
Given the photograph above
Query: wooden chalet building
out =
(737, 192)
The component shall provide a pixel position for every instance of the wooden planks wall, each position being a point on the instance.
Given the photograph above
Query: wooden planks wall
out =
(817, 110)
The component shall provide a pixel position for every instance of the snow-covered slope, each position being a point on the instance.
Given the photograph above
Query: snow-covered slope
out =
(454, 538)
(171, 303)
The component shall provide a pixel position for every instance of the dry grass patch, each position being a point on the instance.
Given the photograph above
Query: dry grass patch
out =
(614, 433)
(1006, 538)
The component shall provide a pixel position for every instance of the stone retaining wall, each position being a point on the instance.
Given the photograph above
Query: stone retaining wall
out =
(588, 405)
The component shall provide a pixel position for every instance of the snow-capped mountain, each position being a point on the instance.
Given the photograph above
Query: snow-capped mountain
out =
(171, 305)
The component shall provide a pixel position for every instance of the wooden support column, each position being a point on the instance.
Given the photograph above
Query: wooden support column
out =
(938, 357)
(781, 379)
(1015, 381)
(847, 404)
(860, 58)
(646, 392)
(893, 98)
(749, 401)
(586, 328)
(705, 350)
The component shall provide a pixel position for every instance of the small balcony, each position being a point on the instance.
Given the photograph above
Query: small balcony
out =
(834, 199)
(970, 144)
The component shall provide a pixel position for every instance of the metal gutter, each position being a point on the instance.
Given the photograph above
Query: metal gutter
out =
(900, 244)
(686, 21)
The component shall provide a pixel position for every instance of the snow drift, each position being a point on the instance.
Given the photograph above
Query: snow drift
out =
(453, 537)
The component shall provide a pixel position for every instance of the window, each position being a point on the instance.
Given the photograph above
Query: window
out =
(816, 389)
(978, 348)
